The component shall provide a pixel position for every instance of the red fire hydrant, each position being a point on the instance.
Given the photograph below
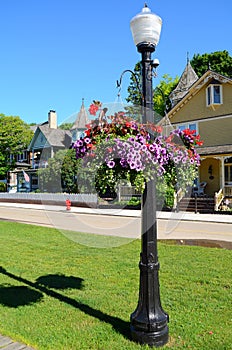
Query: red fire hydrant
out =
(68, 204)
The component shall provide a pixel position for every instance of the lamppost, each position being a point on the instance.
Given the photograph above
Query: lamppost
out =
(148, 321)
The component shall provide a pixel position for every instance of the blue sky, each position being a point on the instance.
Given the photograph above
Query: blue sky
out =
(56, 52)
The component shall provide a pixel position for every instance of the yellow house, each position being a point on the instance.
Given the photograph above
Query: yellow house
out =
(205, 104)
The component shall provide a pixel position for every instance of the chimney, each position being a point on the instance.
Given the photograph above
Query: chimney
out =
(52, 119)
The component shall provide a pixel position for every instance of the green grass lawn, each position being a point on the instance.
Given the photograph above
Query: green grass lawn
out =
(57, 294)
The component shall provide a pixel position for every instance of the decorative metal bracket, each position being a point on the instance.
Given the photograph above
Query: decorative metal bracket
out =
(119, 82)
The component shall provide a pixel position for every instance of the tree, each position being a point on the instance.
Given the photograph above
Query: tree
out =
(15, 136)
(161, 92)
(134, 93)
(66, 126)
(60, 174)
(69, 172)
(218, 61)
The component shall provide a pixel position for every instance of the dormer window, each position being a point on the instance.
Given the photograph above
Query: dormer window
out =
(214, 95)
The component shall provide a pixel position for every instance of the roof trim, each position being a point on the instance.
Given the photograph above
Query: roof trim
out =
(196, 87)
(214, 150)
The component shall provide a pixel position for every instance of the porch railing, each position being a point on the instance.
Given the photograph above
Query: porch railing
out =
(127, 192)
(218, 198)
(177, 198)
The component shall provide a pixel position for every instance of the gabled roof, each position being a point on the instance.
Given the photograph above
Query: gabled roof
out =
(187, 79)
(197, 86)
(54, 137)
(82, 118)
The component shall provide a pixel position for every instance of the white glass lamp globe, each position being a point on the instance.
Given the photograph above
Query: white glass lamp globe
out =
(146, 27)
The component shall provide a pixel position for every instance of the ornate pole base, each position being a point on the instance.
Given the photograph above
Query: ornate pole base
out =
(149, 320)
(153, 338)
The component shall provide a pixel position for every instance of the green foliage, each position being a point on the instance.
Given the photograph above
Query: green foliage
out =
(2, 187)
(219, 61)
(60, 174)
(134, 93)
(69, 171)
(50, 177)
(15, 136)
(66, 126)
(73, 296)
(162, 92)
(169, 198)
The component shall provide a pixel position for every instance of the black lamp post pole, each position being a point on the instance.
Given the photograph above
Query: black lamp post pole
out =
(149, 321)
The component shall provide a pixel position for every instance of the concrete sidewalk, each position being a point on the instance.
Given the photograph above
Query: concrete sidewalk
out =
(8, 344)
(181, 215)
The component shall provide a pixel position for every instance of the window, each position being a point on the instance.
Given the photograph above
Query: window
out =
(228, 171)
(214, 95)
(182, 127)
(190, 126)
(22, 156)
(12, 157)
(193, 127)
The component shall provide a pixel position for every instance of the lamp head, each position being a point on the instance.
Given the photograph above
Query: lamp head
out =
(146, 28)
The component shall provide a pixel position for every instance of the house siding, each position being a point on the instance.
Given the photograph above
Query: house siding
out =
(196, 109)
(216, 132)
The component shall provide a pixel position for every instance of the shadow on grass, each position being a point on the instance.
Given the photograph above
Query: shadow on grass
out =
(59, 281)
(15, 296)
(43, 284)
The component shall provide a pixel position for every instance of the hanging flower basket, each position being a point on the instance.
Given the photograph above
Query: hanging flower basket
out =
(119, 148)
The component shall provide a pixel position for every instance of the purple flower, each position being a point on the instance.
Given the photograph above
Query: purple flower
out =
(152, 148)
(184, 160)
(143, 148)
(141, 139)
(132, 165)
(134, 126)
(123, 162)
(83, 149)
(78, 143)
(87, 140)
(136, 145)
(110, 164)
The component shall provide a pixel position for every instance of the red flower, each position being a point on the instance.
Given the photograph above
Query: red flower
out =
(93, 108)
(169, 138)
(189, 132)
(87, 132)
(159, 129)
(199, 143)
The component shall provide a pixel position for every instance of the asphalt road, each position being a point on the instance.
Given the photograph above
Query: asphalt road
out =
(118, 225)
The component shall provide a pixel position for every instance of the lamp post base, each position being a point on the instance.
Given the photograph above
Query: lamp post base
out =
(156, 339)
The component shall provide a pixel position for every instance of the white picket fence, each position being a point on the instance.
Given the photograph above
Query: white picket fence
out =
(51, 197)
